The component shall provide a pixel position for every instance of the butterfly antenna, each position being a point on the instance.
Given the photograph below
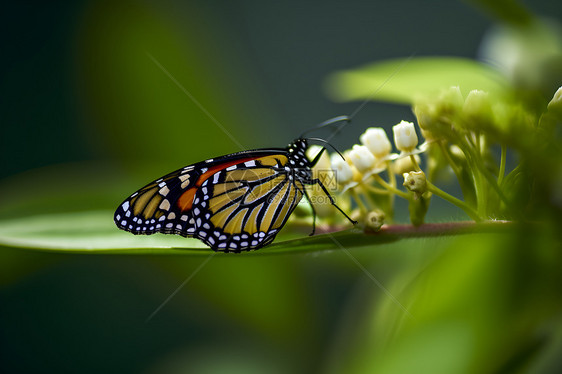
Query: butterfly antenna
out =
(329, 122)
(326, 143)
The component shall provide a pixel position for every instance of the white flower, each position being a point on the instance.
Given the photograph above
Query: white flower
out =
(361, 158)
(405, 137)
(342, 170)
(376, 141)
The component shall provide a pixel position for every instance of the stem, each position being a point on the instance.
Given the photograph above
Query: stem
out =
(441, 229)
(395, 190)
(416, 166)
(450, 160)
(358, 200)
(502, 164)
(391, 198)
(405, 231)
(490, 178)
(373, 189)
(364, 189)
(453, 200)
(477, 178)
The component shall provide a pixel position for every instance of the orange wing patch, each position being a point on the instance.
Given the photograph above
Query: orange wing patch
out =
(185, 202)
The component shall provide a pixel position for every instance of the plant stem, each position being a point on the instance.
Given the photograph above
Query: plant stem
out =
(395, 190)
(373, 189)
(391, 198)
(467, 149)
(476, 161)
(502, 164)
(365, 189)
(416, 166)
(358, 200)
(453, 200)
(450, 160)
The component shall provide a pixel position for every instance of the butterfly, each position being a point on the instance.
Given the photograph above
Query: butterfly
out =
(233, 203)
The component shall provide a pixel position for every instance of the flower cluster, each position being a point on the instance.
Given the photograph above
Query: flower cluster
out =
(464, 136)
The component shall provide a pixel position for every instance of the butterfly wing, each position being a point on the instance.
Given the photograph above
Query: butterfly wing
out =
(233, 203)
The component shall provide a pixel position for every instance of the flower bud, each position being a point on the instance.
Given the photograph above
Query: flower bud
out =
(449, 102)
(405, 137)
(477, 109)
(342, 170)
(415, 181)
(555, 105)
(374, 220)
(361, 158)
(376, 141)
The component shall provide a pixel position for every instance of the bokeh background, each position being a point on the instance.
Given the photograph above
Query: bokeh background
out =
(91, 109)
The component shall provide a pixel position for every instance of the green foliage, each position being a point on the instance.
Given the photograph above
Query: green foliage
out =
(404, 80)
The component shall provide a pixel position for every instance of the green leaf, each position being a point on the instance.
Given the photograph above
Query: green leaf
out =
(403, 80)
(95, 232)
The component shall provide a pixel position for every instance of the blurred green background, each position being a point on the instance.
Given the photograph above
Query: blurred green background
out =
(90, 112)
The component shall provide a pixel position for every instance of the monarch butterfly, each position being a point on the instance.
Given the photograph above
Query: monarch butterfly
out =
(233, 203)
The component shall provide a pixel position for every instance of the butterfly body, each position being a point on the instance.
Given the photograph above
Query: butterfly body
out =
(233, 203)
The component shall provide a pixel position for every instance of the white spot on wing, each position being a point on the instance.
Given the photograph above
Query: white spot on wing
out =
(165, 204)
(164, 190)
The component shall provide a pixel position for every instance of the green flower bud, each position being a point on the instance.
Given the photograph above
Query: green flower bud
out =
(416, 182)
(374, 220)
(425, 114)
(436, 114)
(477, 110)
(449, 102)
(550, 120)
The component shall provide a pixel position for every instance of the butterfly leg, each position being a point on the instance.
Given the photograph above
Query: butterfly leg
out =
(313, 210)
(319, 182)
